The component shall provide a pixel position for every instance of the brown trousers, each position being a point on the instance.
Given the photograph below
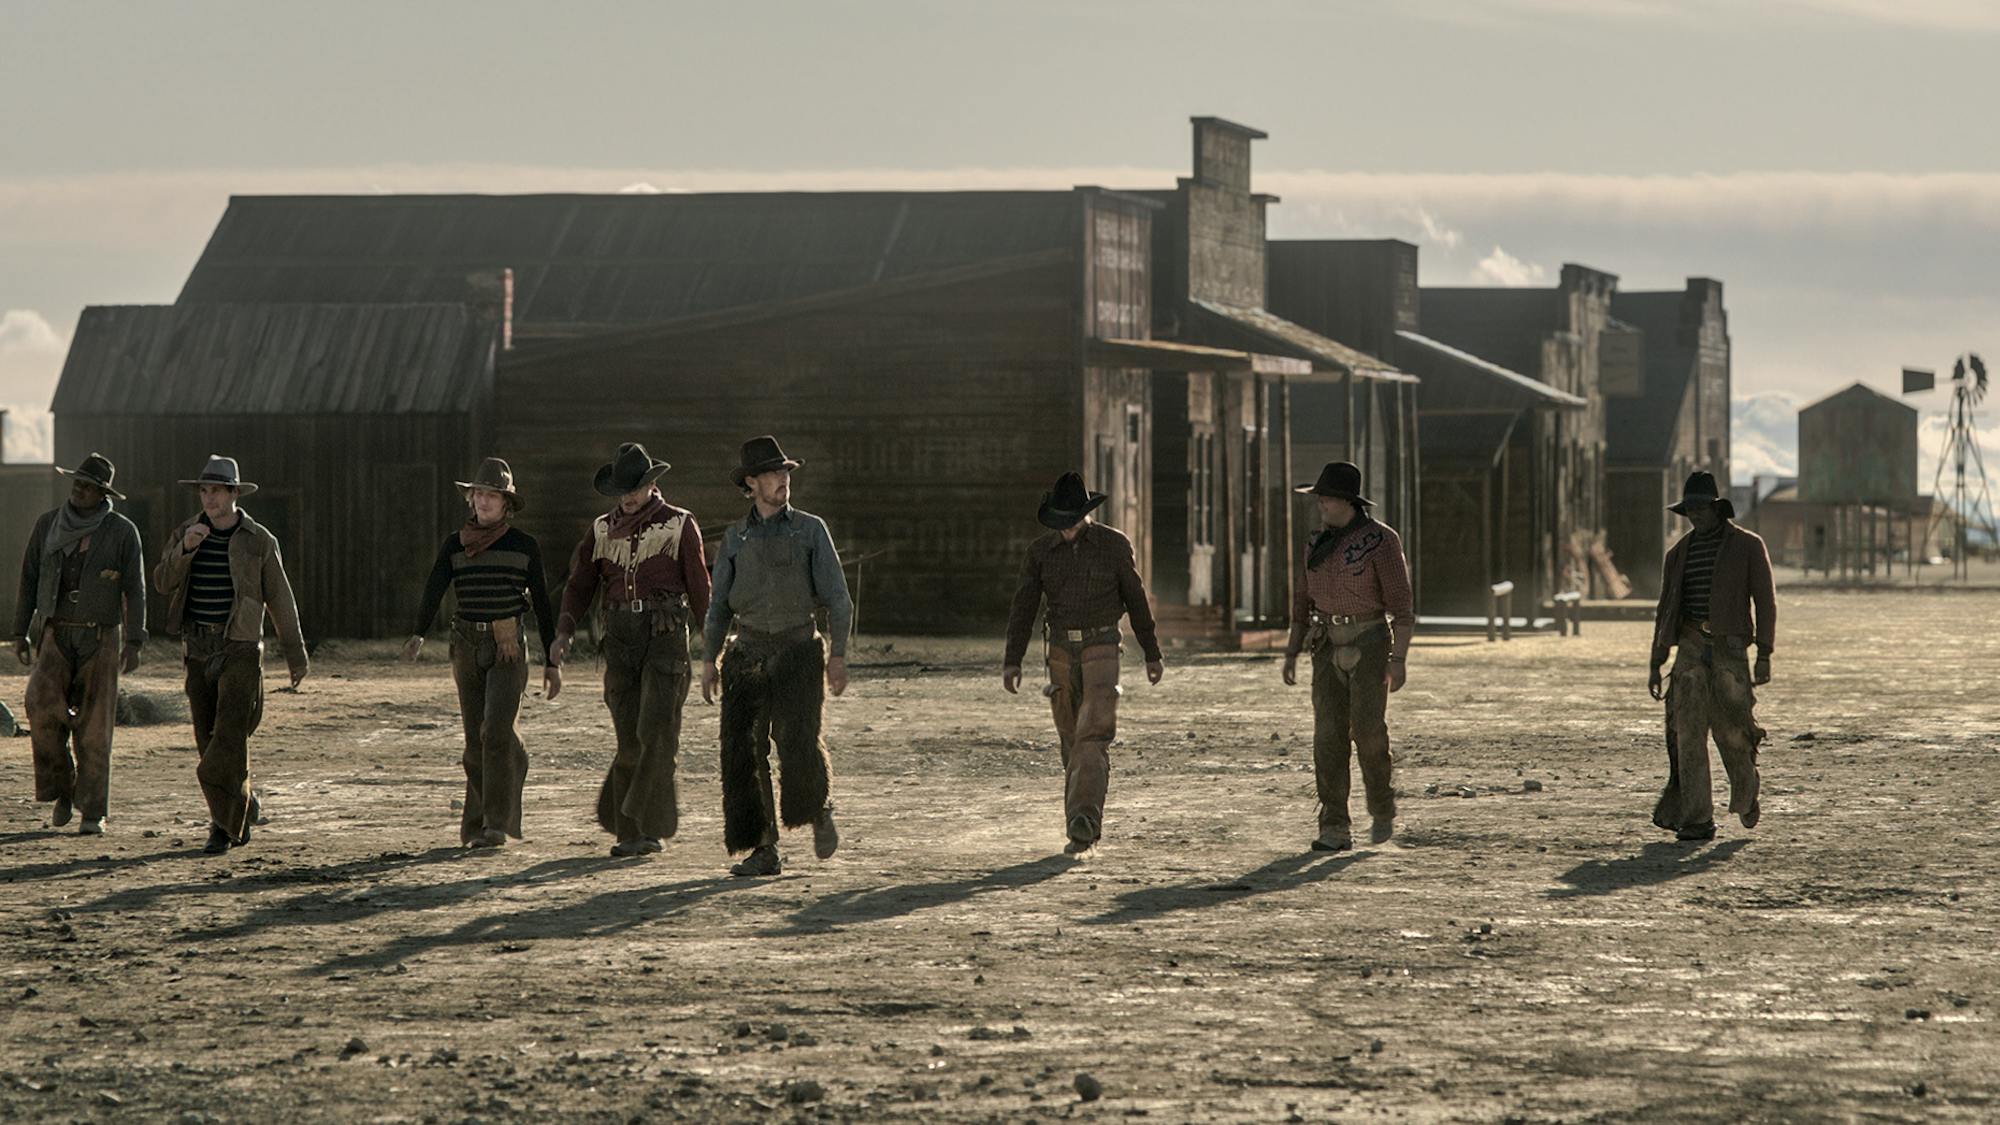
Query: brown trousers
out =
(1350, 710)
(72, 710)
(1709, 696)
(489, 705)
(1083, 695)
(646, 687)
(225, 690)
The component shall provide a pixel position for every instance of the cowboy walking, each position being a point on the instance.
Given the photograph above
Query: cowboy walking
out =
(777, 566)
(1352, 607)
(222, 574)
(645, 557)
(1090, 578)
(495, 570)
(83, 582)
(1716, 600)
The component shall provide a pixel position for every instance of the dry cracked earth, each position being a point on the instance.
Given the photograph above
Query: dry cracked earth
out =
(1528, 947)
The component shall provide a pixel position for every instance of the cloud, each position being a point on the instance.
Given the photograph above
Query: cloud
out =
(30, 434)
(31, 356)
(1763, 436)
(1502, 268)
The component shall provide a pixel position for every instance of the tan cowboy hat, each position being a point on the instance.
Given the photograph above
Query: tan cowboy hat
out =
(222, 470)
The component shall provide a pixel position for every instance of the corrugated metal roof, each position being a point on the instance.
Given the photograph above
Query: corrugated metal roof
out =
(582, 261)
(1459, 380)
(279, 359)
(1265, 331)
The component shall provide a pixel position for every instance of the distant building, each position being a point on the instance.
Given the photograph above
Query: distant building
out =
(1508, 438)
(1667, 385)
(1855, 508)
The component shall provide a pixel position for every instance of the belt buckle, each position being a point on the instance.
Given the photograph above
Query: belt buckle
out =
(636, 605)
(481, 626)
(76, 595)
(1073, 635)
(1703, 626)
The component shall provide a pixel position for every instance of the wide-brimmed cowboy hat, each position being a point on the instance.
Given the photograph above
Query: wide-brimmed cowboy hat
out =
(761, 454)
(1701, 489)
(494, 475)
(632, 469)
(1068, 502)
(1340, 480)
(222, 470)
(98, 470)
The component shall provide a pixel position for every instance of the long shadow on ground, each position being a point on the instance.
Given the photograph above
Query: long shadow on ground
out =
(599, 916)
(347, 892)
(1656, 863)
(1281, 874)
(876, 904)
(82, 867)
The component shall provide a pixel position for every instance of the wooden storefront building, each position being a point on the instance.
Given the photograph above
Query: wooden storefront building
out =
(935, 359)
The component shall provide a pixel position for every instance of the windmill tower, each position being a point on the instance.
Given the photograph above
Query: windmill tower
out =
(1970, 503)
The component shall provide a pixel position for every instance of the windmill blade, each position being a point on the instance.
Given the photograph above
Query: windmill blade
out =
(1958, 370)
(1977, 390)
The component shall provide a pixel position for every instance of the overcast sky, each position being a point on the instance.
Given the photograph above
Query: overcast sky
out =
(1833, 162)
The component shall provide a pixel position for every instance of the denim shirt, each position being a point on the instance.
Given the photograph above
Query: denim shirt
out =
(771, 591)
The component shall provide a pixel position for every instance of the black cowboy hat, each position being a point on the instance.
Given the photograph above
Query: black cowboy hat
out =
(1340, 480)
(494, 475)
(632, 469)
(1068, 502)
(1701, 488)
(761, 455)
(98, 470)
(222, 470)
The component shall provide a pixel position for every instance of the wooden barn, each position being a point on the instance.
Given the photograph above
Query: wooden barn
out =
(1666, 388)
(1482, 483)
(352, 420)
(935, 358)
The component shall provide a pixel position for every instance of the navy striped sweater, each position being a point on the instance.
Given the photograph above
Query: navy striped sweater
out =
(505, 580)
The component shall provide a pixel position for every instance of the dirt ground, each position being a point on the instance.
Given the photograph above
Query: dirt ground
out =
(1514, 954)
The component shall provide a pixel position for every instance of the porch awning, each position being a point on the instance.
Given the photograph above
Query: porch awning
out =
(1458, 382)
(1263, 330)
(1169, 355)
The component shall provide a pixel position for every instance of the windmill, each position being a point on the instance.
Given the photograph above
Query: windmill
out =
(1969, 503)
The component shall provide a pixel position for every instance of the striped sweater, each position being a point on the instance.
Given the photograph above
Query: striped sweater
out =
(211, 594)
(505, 580)
(1699, 574)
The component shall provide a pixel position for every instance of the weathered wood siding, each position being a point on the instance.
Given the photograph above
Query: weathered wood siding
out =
(359, 503)
(1116, 453)
(929, 424)
(26, 491)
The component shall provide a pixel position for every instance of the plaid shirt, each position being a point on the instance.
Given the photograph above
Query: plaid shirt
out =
(1089, 584)
(1364, 574)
